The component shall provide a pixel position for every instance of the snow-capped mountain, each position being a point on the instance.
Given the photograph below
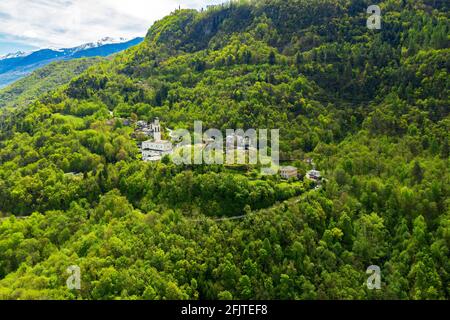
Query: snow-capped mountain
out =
(103, 42)
(109, 40)
(17, 65)
(17, 54)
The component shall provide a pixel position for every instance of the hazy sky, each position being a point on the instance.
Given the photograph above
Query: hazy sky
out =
(33, 24)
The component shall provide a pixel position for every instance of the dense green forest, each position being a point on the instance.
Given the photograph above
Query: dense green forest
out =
(43, 80)
(371, 107)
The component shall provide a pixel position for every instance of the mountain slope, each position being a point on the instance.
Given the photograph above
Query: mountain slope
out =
(369, 106)
(43, 80)
(12, 69)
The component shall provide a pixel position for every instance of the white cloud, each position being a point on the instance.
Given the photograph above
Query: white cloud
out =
(67, 23)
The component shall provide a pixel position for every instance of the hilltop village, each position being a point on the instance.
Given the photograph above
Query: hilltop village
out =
(154, 148)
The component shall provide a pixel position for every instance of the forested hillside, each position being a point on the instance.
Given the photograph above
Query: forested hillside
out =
(371, 107)
(43, 80)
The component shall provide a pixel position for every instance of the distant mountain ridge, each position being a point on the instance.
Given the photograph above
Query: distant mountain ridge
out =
(17, 54)
(18, 65)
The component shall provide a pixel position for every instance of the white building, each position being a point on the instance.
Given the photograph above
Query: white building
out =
(159, 146)
(288, 172)
(156, 149)
(313, 175)
(150, 130)
(156, 128)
